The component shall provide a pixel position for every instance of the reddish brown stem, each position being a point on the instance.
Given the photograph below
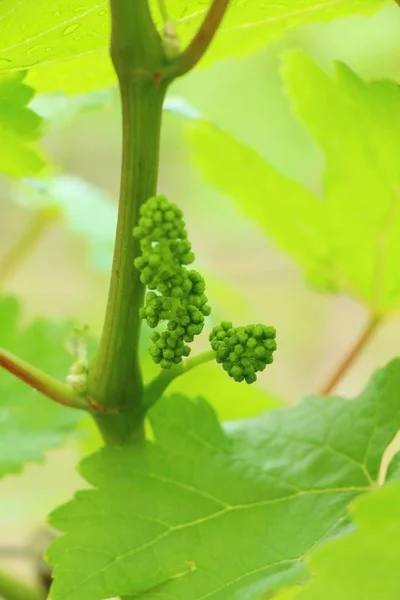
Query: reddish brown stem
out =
(348, 361)
(201, 41)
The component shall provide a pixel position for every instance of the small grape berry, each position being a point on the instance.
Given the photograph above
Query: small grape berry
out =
(243, 351)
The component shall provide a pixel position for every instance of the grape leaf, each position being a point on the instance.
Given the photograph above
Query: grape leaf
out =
(346, 241)
(29, 423)
(357, 125)
(19, 127)
(64, 43)
(364, 564)
(195, 516)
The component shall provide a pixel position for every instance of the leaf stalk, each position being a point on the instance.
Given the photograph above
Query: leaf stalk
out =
(199, 45)
(350, 358)
(41, 381)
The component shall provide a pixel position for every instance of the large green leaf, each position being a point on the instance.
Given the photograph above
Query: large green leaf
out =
(29, 423)
(65, 43)
(347, 240)
(19, 127)
(365, 564)
(204, 514)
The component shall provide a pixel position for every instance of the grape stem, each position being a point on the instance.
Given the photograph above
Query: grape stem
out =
(353, 354)
(155, 389)
(199, 45)
(41, 381)
(47, 385)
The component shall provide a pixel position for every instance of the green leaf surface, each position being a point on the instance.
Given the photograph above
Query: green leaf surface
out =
(290, 214)
(365, 564)
(201, 513)
(64, 43)
(19, 127)
(31, 424)
(348, 239)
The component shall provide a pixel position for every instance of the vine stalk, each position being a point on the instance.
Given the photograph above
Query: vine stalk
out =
(144, 72)
(115, 377)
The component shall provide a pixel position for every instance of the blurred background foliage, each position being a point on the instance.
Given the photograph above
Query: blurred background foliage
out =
(65, 271)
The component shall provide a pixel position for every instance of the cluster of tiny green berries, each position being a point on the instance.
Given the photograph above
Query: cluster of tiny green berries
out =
(176, 294)
(243, 351)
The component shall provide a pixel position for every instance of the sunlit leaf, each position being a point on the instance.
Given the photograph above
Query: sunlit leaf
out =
(203, 513)
(345, 236)
(357, 125)
(65, 43)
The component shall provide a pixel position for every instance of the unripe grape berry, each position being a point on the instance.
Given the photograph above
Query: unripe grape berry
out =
(243, 351)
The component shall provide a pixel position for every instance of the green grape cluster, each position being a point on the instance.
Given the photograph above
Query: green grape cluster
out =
(176, 294)
(243, 351)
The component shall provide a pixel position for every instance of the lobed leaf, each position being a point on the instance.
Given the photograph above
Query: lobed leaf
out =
(346, 238)
(204, 513)
(357, 125)
(64, 43)
(29, 423)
